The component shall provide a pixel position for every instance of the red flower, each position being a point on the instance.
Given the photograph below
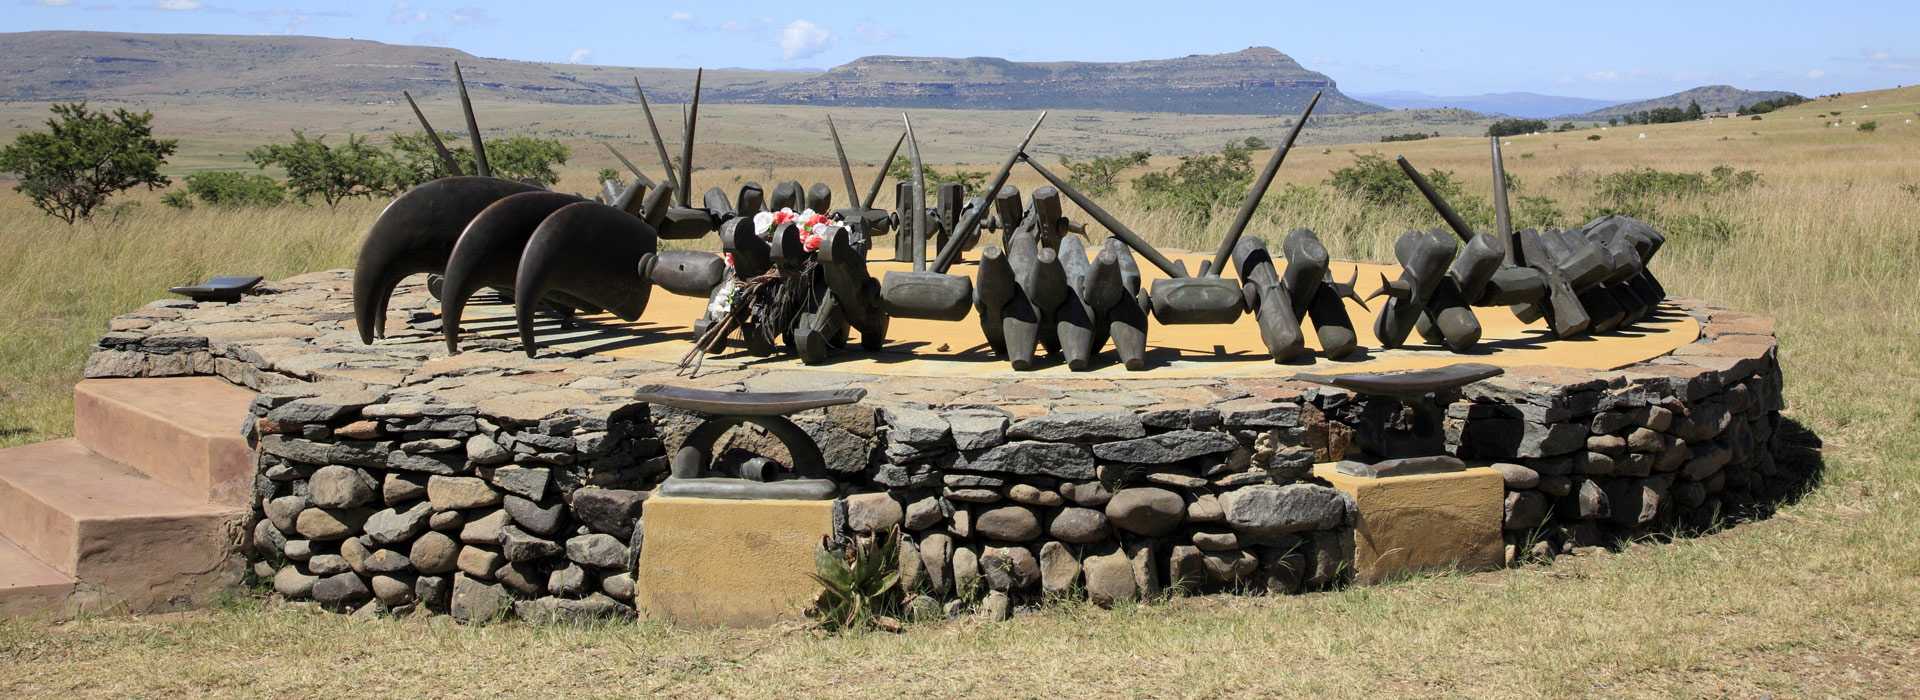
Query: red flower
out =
(812, 243)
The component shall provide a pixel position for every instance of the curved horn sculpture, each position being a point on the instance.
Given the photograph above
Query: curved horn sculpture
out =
(488, 252)
(588, 251)
(416, 233)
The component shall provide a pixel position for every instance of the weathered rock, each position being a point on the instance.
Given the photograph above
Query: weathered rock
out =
(518, 545)
(1146, 511)
(1091, 494)
(1205, 508)
(1186, 569)
(1556, 486)
(355, 551)
(541, 520)
(298, 550)
(525, 578)
(977, 429)
(434, 592)
(1525, 510)
(912, 570)
(477, 602)
(1009, 568)
(1657, 418)
(961, 523)
(972, 495)
(484, 529)
(434, 553)
(429, 445)
(267, 539)
(567, 611)
(530, 484)
(612, 511)
(1592, 501)
(1216, 541)
(1646, 440)
(386, 561)
(393, 592)
(1009, 523)
(1079, 526)
(915, 427)
(997, 606)
(284, 511)
(1167, 448)
(966, 570)
(482, 450)
(399, 488)
(289, 582)
(1059, 570)
(335, 486)
(1146, 571)
(1109, 577)
(1028, 494)
(1283, 568)
(936, 551)
(478, 562)
(872, 512)
(1610, 422)
(328, 564)
(1332, 558)
(460, 492)
(1030, 458)
(1176, 480)
(390, 526)
(329, 524)
(1595, 464)
(1228, 566)
(599, 550)
(1516, 476)
(923, 514)
(442, 464)
(1078, 427)
(619, 586)
(341, 591)
(569, 581)
(1265, 511)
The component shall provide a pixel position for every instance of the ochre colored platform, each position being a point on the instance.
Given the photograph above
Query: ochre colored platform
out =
(184, 432)
(958, 349)
(144, 511)
(712, 562)
(1424, 522)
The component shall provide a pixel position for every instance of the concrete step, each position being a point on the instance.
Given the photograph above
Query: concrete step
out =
(28, 587)
(184, 432)
(134, 543)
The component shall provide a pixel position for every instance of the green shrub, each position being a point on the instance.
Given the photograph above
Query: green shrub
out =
(859, 584)
(1537, 212)
(1593, 137)
(1516, 127)
(333, 173)
(970, 180)
(84, 158)
(1199, 185)
(1868, 126)
(1100, 176)
(1412, 136)
(514, 158)
(178, 199)
(1709, 228)
(233, 189)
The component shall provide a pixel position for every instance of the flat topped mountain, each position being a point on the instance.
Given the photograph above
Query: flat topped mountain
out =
(41, 66)
(1712, 98)
(1257, 80)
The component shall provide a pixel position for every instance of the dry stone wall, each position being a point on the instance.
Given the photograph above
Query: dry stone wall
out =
(394, 477)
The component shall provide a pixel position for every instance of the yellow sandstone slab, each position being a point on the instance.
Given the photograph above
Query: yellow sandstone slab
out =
(959, 349)
(1423, 522)
(720, 563)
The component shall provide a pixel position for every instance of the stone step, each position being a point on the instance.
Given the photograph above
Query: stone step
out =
(184, 432)
(29, 588)
(134, 543)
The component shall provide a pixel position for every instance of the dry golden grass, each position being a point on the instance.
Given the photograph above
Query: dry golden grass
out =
(1819, 600)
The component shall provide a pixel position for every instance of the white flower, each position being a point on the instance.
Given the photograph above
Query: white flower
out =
(722, 300)
(820, 229)
(763, 223)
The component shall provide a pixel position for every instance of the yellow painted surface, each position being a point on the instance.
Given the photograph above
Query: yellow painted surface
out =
(711, 562)
(958, 348)
(1423, 522)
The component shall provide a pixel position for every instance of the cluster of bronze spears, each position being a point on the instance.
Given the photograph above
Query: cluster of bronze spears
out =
(565, 254)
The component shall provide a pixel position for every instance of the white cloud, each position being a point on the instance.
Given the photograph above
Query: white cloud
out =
(470, 15)
(177, 5)
(681, 16)
(1603, 76)
(580, 55)
(55, 3)
(731, 26)
(406, 13)
(873, 34)
(801, 39)
(1816, 74)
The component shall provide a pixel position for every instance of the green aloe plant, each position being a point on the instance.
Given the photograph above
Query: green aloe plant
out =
(860, 583)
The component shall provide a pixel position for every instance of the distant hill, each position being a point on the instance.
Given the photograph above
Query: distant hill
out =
(1513, 104)
(1712, 98)
(42, 66)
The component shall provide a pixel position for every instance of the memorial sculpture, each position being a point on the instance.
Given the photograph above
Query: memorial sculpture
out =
(792, 274)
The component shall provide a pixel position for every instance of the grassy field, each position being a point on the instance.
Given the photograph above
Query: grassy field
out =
(1822, 599)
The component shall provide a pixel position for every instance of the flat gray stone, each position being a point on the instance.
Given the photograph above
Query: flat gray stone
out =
(1029, 458)
(1146, 511)
(1167, 448)
(1078, 427)
(599, 551)
(1267, 511)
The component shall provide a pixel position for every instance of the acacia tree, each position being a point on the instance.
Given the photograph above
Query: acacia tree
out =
(84, 158)
(515, 158)
(333, 173)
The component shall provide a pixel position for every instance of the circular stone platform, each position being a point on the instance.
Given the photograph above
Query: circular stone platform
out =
(924, 348)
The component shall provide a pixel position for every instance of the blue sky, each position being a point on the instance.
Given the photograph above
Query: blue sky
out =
(1613, 50)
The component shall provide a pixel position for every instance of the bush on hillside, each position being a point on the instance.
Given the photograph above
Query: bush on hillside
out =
(85, 157)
